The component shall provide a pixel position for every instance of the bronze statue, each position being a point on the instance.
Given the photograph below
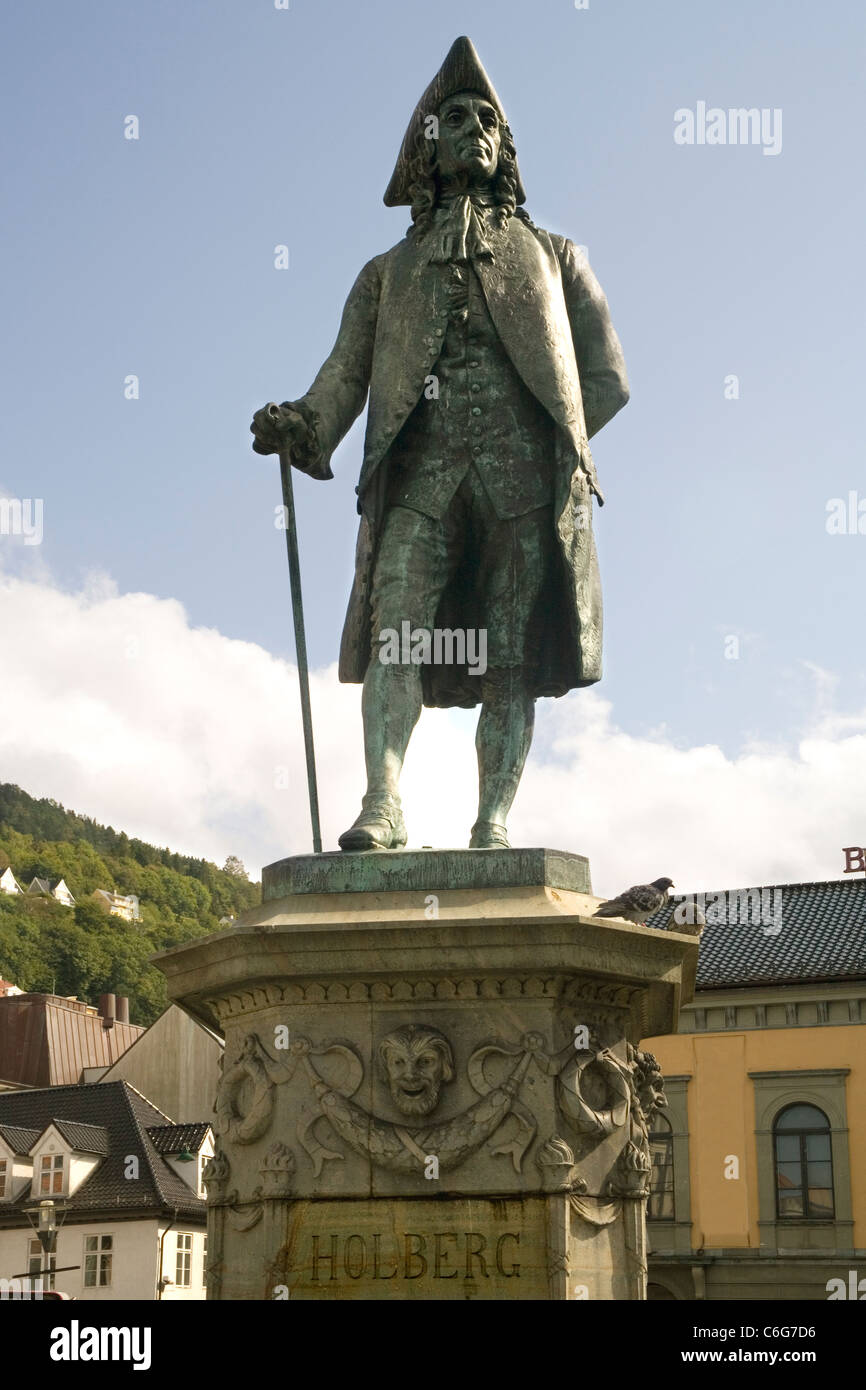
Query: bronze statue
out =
(490, 359)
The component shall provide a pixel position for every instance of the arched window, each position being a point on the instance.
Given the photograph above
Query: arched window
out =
(804, 1164)
(660, 1205)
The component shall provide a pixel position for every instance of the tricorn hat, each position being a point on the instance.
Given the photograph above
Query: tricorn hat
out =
(462, 71)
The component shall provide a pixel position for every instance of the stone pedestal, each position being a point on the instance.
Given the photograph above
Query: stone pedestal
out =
(432, 1085)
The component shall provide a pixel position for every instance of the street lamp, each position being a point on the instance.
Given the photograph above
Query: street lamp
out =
(46, 1227)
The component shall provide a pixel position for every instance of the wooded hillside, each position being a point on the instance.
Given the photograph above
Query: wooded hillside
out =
(85, 951)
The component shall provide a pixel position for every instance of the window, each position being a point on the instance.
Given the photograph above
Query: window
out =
(3, 1162)
(804, 1164)
(97, 1261)
(37, 1263)
(183, 1266)
(204, 1260)
(660, 1205)
(51, 1173)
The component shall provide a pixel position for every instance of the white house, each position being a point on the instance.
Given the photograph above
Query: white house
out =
(127, 1187)
(9, 883)
(120, 905)
(52, 888)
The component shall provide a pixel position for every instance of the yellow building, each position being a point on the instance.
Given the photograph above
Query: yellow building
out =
(759, 1181)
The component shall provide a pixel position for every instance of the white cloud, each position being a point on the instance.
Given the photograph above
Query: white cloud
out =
(115, 706)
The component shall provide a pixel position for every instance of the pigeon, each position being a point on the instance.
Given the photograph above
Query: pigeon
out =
(637, 903)
(687, 918)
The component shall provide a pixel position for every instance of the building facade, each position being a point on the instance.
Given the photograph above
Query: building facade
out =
(9, 883)
(126, 1183)
(175, 1063)
(759, 1181)
(125, 905)
(52, 888)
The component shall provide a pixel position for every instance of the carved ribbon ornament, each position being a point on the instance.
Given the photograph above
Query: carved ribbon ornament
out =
(401, 1149)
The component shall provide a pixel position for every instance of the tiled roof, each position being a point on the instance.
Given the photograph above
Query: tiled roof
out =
(20, 1141)
(171, 1139)
(821, 936)
(126, 1116)
(85, 1139)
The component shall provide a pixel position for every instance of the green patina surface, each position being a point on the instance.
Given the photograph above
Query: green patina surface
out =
(425, 871)
(486, 350)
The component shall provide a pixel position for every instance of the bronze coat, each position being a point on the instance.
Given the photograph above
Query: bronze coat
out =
(553, 321)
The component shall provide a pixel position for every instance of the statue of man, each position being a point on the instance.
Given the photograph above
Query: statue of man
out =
(490, 359)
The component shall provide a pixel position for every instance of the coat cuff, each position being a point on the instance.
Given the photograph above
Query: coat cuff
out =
(308, 456)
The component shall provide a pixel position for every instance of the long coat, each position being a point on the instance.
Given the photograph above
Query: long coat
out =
(552, 319)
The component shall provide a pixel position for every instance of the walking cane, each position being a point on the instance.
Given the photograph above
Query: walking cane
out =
(300, 641)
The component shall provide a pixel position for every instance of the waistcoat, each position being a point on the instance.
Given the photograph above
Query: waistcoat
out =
(476, 413)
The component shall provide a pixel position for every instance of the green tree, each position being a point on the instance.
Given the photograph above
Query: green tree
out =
(86, 951)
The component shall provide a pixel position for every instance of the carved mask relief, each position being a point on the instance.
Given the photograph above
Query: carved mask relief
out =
(416, 1061)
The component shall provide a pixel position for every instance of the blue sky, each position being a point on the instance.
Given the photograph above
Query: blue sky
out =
(259, 127)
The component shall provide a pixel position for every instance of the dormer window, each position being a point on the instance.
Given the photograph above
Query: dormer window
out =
(64, 1156)
(51, 1173)
(16, 1165)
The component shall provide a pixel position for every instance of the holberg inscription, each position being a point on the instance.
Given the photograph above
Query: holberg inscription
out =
(436, 1255)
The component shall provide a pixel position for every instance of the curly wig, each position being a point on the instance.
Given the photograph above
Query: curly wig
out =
(425, 187)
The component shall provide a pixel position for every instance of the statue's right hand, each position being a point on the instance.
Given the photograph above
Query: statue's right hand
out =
(278, 428)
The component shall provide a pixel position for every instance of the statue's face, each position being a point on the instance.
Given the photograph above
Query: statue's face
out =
(416, 1067)
(469, 136)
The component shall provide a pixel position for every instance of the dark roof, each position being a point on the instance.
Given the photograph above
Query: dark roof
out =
(171, 1139)
(48, 885)
(20, 1141)
(821, 935)
(126, 1116)
(85, 1139)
